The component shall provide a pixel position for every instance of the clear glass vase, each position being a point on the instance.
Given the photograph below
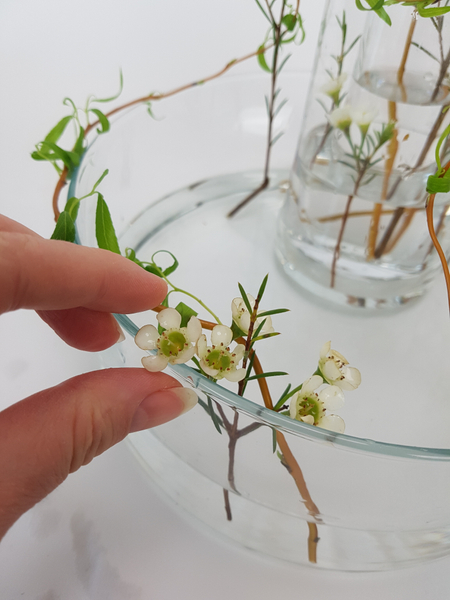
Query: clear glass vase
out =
(353, 229)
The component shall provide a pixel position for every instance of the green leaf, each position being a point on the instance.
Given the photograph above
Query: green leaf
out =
(79, 144)
(376, 6)
(72, 206)
(263, 11)
(438, 185)
(431, 12)
(289, 21)
(172, 267)
(264, 336)
(274, 440)
(281, 401)
(275, 311)
(237, 331)
(57, 131)
(245, 299)
(103, 120)
(70, 159)
(111, 98)
(262, 287)
(258, 330)
(186, 313)
(152, 268)
(264, 375)
(262, 60)
(214, 417)
(65, 228)
(104, 228)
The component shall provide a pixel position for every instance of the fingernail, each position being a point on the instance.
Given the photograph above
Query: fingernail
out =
(187, 396)
(163, 406)
(121, 337)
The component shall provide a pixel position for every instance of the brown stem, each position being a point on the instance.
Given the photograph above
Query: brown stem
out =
(406, 222)
(226, 497)
(436, 244)
(442, 73)
(401, 69)
(389, 165)
(150, 98)
(438, 227)
(361, 213)
(337, 248)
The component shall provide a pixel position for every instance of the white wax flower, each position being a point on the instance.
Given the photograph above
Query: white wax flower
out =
(241, 316)
(335, 370)
(175, 345)
(218, 360)
(341, 118)
(363, 117)
(333, 87)
(312, 407)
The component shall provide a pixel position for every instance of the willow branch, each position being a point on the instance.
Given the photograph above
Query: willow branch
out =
(151, 98)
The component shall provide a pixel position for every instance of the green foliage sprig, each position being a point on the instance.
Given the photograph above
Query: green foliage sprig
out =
(422, 7)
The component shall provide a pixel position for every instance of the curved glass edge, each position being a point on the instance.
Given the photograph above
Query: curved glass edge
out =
(264, 415)
(284, 424)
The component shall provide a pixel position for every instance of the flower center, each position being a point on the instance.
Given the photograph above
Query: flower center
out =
(219, 359)
(172, 343)
(310, 406)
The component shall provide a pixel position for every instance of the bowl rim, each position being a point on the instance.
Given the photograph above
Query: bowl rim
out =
(259, 412)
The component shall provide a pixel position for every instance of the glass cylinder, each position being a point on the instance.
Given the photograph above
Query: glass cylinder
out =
(353, 228)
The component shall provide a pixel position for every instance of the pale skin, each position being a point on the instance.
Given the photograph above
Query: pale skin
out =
(52, 433)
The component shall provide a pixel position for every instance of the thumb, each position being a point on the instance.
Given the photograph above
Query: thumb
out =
(54, 432)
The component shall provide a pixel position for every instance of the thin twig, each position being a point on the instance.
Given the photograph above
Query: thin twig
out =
(276, 44)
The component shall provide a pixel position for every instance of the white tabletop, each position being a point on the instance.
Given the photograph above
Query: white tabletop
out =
(106, 533)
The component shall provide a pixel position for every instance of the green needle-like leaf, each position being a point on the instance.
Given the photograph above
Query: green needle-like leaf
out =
(265, 375)
(245, 299)
(212, 413)
(262, 287)
(275, 311)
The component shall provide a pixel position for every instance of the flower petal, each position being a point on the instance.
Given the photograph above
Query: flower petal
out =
(194, 329)
(324, 350)
(239, 351)
(332, 423)
(202, 346)
(221, 334)
(308, 419)
(352, 378)
(147, 337)
(332, 397)
(331, 371)
(234, 375)
(169, 318)
(208, 370)
(310, 385)
(293, 407)
(155, 363)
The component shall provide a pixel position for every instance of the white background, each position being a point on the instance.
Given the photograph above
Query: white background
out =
(105, 534)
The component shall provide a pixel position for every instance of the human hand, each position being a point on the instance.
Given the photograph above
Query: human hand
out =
(52, 433)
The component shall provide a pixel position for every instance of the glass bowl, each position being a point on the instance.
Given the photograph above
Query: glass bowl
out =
(374, 498)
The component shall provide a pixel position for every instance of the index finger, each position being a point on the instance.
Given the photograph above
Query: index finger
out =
(52, 275)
